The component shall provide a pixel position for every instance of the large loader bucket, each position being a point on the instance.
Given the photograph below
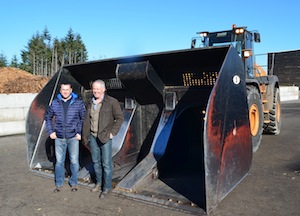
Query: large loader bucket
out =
(185, 142)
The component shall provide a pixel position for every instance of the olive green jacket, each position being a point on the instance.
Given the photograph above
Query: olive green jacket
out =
(110, 120)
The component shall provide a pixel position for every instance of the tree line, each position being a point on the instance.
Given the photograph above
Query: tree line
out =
(44, 56)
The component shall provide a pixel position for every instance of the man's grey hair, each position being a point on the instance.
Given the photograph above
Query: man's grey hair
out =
(101, 82)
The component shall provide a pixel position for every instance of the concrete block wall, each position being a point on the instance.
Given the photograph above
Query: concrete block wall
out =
(13, 112)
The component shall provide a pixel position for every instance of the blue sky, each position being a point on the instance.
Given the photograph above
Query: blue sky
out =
(117, 28)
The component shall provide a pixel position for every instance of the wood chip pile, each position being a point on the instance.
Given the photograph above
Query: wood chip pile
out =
(14, 80)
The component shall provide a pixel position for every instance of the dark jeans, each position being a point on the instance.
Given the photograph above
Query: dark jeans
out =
(102, 158)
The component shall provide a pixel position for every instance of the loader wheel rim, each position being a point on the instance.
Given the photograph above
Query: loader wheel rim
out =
(278, 111)
(254, 119)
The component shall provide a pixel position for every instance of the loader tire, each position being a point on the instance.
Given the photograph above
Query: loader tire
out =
(275, 116)
(255, 116)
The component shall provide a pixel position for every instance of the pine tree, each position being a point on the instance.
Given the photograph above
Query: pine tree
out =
(3, 60)
(43, 56)
(14, 62)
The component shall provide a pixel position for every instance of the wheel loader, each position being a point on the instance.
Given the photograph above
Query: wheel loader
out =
(191, 119)
(262, 89)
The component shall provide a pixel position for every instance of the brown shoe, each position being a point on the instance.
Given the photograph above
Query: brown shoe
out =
(96, 188)
(104, 194)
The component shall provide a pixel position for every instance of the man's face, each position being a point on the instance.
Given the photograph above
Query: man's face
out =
(65, 91)
(98, 90)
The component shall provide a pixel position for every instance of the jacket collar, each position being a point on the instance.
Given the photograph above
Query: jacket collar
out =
(103, 99)
(73, 97)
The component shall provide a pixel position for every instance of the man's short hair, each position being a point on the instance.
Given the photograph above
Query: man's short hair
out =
(101, 82)
(66, 83)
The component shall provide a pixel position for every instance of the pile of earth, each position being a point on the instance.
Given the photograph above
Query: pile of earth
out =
(14, 80)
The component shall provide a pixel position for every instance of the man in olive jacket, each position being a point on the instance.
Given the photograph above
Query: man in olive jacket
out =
(102, 122)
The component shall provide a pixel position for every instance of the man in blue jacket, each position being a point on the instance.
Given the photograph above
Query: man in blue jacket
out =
(64, 119)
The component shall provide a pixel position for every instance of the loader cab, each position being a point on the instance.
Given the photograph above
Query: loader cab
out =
(239, 37)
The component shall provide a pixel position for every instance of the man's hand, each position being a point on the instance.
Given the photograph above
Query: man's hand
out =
(78, 137)
(111, 136)
(53, 135)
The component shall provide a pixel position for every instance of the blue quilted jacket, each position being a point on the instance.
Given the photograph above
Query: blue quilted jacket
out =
(65, 126)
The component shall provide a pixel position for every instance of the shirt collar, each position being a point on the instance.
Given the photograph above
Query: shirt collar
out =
(95, 104)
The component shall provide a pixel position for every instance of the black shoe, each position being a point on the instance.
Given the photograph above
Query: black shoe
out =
(104, 194)
(57, 189)
(74, 189)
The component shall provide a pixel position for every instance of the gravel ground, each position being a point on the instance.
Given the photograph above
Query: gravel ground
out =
(271, 188)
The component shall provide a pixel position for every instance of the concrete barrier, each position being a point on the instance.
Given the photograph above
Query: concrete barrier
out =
(13, 112)
(288, 93)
